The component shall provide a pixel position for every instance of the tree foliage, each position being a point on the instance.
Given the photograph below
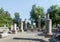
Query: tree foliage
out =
(35, 12)
(5, 18)
(54, 12)
(17, 19)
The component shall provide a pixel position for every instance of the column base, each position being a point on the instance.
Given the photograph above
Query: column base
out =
(21, 30)
(49, 35)
(14, 32)
(39, 30)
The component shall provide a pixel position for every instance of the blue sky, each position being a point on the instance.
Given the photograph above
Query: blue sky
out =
(24, 6)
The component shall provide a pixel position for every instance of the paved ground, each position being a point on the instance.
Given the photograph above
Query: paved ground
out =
(24, 37)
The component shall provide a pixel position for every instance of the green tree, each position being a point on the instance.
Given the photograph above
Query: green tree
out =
(8, 19)
(35, 12)
(57, 16)
(5, 18)
(17, 19)
(54, 12)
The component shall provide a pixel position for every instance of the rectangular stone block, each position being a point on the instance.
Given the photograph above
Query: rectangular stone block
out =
(3, 35)
(49, 26)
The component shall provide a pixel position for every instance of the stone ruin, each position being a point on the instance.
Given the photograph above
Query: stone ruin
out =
(4, 31)
(14, 27)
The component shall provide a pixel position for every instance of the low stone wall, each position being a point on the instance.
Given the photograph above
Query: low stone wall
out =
(3, 35)
(4, 29)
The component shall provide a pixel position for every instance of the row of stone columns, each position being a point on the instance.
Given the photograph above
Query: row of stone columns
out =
(14, 27)
(48, 25)
(48, 29)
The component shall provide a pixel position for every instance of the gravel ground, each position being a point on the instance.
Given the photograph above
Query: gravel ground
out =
(24, 37)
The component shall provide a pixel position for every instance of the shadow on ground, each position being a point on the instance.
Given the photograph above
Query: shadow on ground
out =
(33, 39)
(52, 40)
(41, 34)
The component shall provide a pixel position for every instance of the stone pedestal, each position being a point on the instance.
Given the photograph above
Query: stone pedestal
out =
(49, 27)
(32, 25)
(14, 28)
(22, 27)
(11, 27)
(25, 27)
(39, 23)
(48, 30)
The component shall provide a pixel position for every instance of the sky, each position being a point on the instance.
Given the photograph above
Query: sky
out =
(23, 7)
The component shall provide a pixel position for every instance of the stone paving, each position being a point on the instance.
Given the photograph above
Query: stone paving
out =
(24, 37)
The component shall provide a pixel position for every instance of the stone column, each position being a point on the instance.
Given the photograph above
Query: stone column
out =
(47, 16)
(11, 27)
(32, 25)
(39, 23)
(22, 27)
(25, 24)
(14, 28)
(48, 25)
(5, 26)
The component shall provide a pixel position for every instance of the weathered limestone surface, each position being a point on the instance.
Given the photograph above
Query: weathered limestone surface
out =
(48, 25)
(22, 27)
(14, 28)
(25, 25)
(39, 23)
(5, 34)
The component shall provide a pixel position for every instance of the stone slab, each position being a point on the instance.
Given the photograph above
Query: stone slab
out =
(3, 35)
